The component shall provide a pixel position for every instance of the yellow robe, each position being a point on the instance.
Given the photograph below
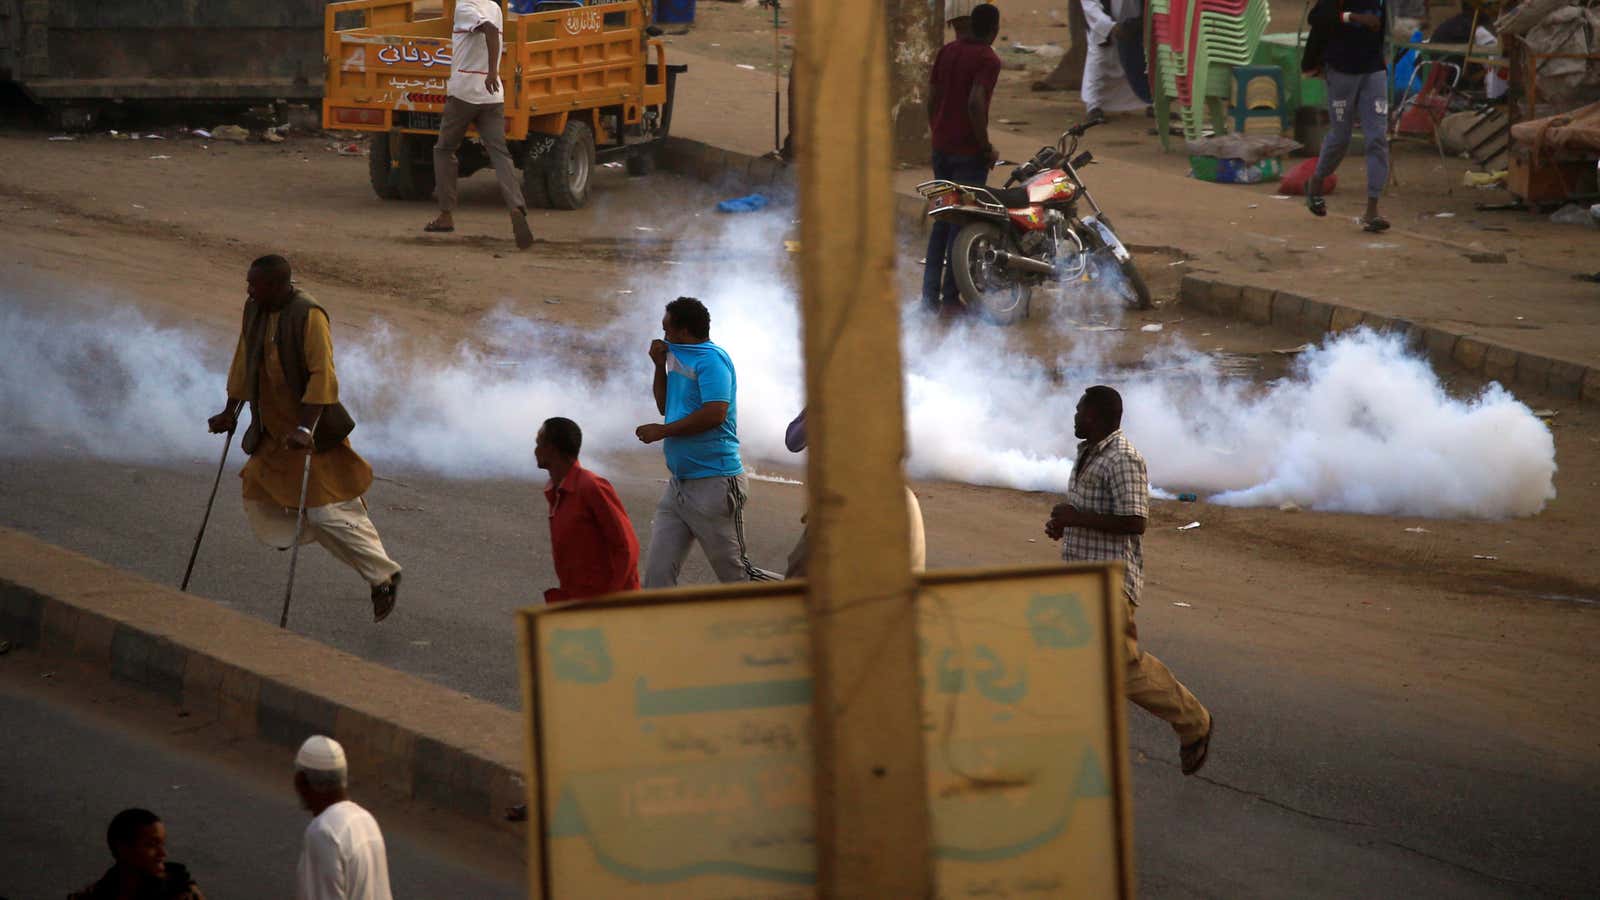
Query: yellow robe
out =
(273, 474)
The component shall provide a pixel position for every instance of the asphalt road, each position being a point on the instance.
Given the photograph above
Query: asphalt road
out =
(1317, 788)
(64, 773)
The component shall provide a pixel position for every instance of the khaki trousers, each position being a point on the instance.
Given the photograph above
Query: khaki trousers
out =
(491, 121)
(343, 528)
(1153, 687)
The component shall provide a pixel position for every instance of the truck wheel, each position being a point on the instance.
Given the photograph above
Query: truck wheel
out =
(412, 177)
(400, 166)
(642, 161)
(536, 170)
(570, 165)
(378, 167)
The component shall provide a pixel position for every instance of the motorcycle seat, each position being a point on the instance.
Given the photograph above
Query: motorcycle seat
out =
(1011, 198)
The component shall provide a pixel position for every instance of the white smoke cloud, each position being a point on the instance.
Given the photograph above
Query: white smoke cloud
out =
(1357, 426)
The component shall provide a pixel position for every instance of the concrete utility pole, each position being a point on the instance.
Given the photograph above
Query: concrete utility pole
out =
(916, 32)
(871, 782)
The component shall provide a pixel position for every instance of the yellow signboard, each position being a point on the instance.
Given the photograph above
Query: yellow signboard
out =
(670, 736)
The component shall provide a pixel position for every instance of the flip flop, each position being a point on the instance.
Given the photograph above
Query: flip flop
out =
(1317, 206)
(384, 597)
(1376, 224)
(436, 228)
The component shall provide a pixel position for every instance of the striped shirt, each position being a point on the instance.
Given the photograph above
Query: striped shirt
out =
(1109, 478)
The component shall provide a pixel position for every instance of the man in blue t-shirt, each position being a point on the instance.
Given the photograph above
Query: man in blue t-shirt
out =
(695, 388)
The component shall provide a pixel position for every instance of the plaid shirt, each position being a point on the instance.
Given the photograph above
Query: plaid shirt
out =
(1109, 478)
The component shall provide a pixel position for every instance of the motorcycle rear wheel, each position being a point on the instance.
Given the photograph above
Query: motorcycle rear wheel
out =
(987, 289)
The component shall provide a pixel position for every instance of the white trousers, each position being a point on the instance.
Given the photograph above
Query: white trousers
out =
(343, 528)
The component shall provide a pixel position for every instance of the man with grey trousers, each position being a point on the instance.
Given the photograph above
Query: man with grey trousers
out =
(696, 391)
(1346, 50)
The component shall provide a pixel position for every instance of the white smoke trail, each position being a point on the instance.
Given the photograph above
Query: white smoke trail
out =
(1358, 425)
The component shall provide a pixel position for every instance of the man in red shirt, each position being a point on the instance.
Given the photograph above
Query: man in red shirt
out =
(964, 76)
(591, 538)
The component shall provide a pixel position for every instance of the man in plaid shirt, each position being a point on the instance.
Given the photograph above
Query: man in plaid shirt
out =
(1108, 504)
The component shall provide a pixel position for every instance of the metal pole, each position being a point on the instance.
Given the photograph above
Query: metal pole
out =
(227, 444)
(873, 826)
(299, 525)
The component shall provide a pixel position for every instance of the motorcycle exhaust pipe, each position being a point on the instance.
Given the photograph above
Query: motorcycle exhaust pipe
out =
(1022, 263)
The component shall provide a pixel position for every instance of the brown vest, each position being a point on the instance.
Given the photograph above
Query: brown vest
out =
(336, 423)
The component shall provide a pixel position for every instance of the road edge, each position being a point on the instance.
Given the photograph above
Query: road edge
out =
(410, 737)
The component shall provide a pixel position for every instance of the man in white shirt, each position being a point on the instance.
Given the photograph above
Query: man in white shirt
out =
(342, 856)
(475, 96)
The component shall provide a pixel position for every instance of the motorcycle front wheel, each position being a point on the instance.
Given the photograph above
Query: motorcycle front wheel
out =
(985, 287)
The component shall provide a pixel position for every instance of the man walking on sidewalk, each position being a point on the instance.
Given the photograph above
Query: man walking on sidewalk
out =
(474, 97)
(963, 80)
(283, 367)
(591, 539)
(1108, 503)
(695, 389)
(1345, 48)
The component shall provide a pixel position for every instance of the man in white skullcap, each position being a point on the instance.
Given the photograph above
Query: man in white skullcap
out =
(958, 15)
(342, 857)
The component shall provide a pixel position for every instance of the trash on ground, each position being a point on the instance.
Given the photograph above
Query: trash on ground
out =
(63, 137)
(643, 228)
(1288, 506)
(1484, 179)
(1183, 604)
(1483, 556)
(1444, 215)
(200, 132)
(230, 133)
(1486, 258)
(1152, 328)
(1282, 197)
(1418, 530)
(624, 291)
(1546, 413)
(1573, 214)
(746, 66)
(1188, 498)
(1381, 245)
(747, 203)
(611, 165)
(1290, 351)
(161, 156)
(552, 300)
(1189, 527)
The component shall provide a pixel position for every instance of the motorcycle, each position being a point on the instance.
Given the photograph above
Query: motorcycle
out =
(1014, 238)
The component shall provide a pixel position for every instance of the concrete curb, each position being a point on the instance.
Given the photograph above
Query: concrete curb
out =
(1315, 318)
(410, 737)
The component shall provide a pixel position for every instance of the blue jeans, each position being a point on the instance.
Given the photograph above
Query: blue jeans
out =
(1130, 52)
(938, 281)
(1352, 98)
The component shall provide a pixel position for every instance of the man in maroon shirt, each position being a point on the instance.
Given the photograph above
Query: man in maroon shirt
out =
(591, 538)
(964, 76)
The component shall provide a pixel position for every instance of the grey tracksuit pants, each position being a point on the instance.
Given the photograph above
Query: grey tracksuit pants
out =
(707, 511)
(1352, 97)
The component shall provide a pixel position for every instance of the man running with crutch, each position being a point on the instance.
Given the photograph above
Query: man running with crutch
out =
(283, 366)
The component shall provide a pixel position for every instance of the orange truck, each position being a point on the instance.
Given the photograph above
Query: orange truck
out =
(583, 82)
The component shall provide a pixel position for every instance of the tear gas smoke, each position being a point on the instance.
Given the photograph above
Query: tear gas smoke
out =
(1357, 426)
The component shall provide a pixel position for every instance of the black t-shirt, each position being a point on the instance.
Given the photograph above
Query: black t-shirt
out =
(1353, 49)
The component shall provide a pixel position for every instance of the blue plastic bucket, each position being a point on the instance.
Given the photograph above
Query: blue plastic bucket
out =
(674, 12)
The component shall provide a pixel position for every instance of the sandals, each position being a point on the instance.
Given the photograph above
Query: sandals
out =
(436, 228)
(1376, 224)
(1318, 207)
